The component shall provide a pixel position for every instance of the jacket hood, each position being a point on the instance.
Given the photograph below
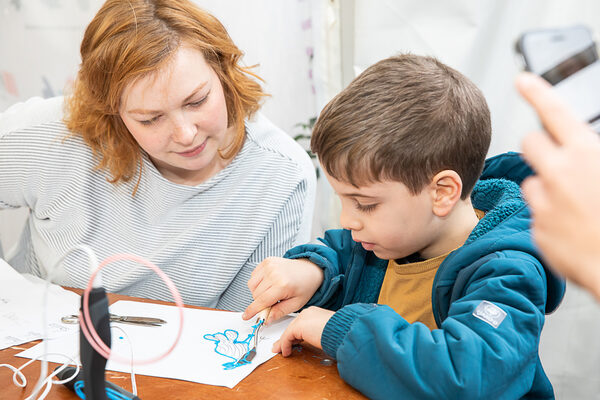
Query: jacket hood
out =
(507, 223)
(510, 166)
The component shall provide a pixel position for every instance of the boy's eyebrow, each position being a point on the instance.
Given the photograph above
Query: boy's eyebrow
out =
(141, 111)
(354, 194)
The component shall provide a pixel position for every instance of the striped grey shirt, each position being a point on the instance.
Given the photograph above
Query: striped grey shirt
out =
(207, 238)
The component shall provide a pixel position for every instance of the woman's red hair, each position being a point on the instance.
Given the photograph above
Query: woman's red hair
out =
(129, 39)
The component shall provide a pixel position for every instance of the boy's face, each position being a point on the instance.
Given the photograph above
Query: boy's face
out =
(387, 219)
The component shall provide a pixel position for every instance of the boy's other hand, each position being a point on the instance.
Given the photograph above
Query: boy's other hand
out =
(307, 327)
(284, 285)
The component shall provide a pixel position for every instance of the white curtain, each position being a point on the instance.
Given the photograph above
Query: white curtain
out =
(39, 48)
(474, 36)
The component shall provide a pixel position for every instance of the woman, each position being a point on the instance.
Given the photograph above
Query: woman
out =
(160, 153)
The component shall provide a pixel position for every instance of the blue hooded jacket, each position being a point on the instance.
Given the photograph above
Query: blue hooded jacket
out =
(489, 298)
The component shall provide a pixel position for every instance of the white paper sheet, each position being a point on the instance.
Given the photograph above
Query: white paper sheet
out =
(195, 358)
(22, 307)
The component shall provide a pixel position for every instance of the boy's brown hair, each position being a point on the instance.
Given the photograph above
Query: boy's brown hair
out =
(405, 118)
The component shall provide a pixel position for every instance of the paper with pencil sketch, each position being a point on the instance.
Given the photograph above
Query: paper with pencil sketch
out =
(210, 345)
(23, 300)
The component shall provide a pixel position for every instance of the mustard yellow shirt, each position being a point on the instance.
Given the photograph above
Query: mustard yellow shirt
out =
(407, 288)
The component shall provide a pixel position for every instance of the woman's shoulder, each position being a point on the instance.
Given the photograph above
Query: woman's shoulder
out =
(276, 145)
(31, 113)
(37, 123)
(36, 128)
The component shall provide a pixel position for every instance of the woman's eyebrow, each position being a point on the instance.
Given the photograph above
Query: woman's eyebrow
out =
(147, 112)
(198, 88)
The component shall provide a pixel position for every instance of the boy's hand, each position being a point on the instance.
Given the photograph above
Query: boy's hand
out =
(285, 285)
(307, 327)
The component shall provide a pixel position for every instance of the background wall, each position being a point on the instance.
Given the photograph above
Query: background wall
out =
(40, 48)
(307, 51)
(476, 37)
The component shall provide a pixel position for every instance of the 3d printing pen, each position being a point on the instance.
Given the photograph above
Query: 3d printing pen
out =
(91, 384)
(113, 392)
(260, 319)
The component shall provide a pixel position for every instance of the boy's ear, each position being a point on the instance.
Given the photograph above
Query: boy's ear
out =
(446, 187)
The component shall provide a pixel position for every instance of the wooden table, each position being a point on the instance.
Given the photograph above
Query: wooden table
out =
(307, 374)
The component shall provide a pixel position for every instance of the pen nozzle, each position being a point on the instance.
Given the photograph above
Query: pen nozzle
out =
(262, 316)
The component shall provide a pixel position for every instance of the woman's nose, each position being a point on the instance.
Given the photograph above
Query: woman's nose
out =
(184, 131)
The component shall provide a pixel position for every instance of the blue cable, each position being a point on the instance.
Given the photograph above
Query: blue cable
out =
(111, 393)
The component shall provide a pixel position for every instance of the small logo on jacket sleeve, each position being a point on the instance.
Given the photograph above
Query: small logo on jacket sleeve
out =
(490, 313)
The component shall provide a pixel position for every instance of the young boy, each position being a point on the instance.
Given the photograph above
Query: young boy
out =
(443, 250)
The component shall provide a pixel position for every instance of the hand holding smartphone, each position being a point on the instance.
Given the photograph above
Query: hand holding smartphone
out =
(567, 58)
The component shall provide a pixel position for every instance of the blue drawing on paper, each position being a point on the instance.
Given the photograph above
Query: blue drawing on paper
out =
(228, 345)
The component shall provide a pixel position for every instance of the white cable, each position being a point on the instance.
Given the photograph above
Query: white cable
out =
(16, 372)
(48, 382)
(93, 265)
(133, 384)
(45, 381)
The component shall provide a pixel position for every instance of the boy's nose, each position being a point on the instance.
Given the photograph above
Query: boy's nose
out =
(347, 221)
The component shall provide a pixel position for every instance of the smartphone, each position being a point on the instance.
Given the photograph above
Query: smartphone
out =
(568, 59)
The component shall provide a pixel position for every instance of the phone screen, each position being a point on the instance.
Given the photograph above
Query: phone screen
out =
(545, 49)
(567, 58)
(571, 65)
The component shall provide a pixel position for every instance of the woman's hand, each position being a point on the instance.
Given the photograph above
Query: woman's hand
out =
(285, 285)
(565, 194)
(307, 327)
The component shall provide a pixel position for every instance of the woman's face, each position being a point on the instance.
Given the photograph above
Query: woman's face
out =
(178, 115)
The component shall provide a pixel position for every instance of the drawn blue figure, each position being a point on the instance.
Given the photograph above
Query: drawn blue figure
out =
(228, 345)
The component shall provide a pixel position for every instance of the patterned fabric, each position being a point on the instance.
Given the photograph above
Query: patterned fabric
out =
(208, 238)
